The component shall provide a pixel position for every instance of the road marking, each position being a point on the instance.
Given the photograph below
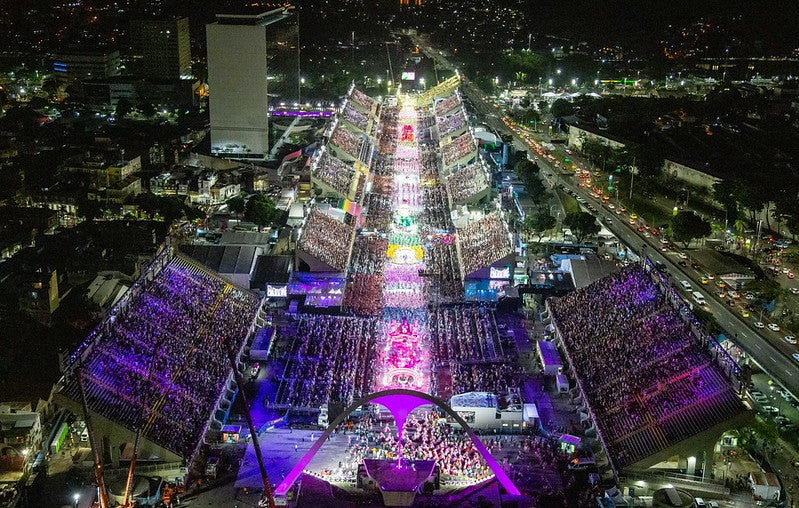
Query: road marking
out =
(789, 372)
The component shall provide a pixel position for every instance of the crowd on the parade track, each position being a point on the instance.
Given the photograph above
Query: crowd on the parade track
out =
(162, 360)
(326, 238)
(483, 242)
(426, 436)
(330, 359)
(638, 362)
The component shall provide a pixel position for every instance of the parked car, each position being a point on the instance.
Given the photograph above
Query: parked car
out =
(759, 325)
(790, 339)
(774, 327)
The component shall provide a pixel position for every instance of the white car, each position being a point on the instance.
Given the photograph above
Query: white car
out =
(771, 409)
(790, 339)
(663, 240)
(686, 285)
(759, 324)
(682, 255)
(774, 327)
(795, 291)
(796, 356)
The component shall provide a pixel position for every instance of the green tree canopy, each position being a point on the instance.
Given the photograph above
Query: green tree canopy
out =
(538, 224)
(687, 226)
(236, 204)
(582, 225)
(261, 210)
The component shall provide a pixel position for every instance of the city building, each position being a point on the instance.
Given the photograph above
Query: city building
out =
(20, 434)
(241, 48)
(160, 48)
(82, 64)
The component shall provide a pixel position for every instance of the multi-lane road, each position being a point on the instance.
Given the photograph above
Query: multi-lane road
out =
(773, 356)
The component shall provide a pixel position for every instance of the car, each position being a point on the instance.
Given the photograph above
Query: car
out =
(731, 303)
(609, 220)
(632, 222)
(744, 313)
(720, 283)
(786, 270)
(665, 248)
(790, 339)
(781, 420)
(683, 263)
(749, 296)
(711, 276)
(646, 234)
(682, 255)
(633, 216)
(795, 291)
(782, 392)
(734, 294)
(641, 229)
(664, 240)
(796, 356)
(703, 280)
(255, 369)
(759, 325)
(611, 206)
(695, 266)
(618, 212)
(774, 327)
(771, 410)
(686, 285)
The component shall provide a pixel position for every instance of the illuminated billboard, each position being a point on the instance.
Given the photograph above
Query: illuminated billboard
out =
(500, 273)
(408, 76)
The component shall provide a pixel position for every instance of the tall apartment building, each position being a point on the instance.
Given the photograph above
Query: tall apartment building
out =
(243, 50)
(160, 48)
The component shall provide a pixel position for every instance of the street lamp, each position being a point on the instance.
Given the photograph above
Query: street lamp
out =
(75, 498)
(574, 81)
(558, 71)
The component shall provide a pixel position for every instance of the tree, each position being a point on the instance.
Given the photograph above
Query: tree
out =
(236, 204)
(561, 107)
(89, 208)
(582, 225)
(147, 109)
(687, 226)
(261, 210)
(124, 107)
(50, 86)
(726, 193)
(538, 224)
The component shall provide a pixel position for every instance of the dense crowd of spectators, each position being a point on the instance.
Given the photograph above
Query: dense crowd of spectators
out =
(450, 124)
(426, 436)
(330, 359)
(464, 333)
(368, 255)
(647, 379)
(467, 182)
(435, 212)
(457, 148)
(441, 258)
(335, 173)
(355, 117)
(162, 361)
(483, 242)
(446, 105)
(348, 141)
(378, 211)
(362, 99)
(327, 239)
(363, 295)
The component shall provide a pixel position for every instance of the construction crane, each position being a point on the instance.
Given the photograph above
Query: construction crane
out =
(269, 497)
(102, 492)
(129, 482)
